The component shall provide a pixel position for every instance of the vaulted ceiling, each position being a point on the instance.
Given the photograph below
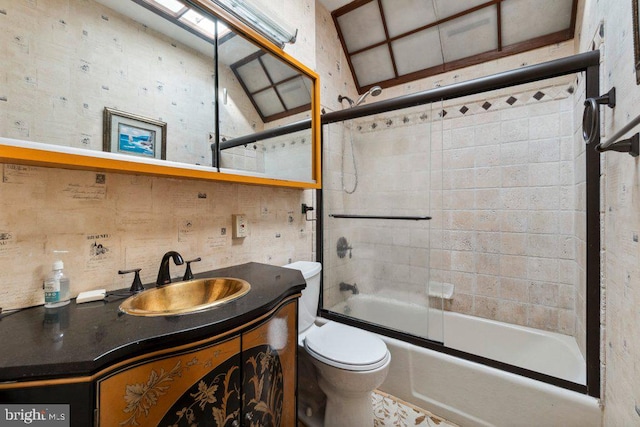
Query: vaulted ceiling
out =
(389, 42)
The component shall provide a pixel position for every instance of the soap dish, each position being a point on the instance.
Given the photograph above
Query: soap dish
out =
(441, 290)
(88, 296)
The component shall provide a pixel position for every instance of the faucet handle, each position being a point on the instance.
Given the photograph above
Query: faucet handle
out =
(136, 286)
(188, 275)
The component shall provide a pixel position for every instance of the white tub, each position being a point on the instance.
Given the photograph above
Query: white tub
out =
(469, 393)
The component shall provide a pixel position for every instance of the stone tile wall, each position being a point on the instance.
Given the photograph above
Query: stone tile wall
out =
(508, 204)
(109, 222)
(497, 174)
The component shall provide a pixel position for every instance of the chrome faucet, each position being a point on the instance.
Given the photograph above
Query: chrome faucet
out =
(164, 277)
(347, 287)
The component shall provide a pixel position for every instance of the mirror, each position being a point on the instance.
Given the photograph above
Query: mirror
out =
(261, 92)
(139, 79)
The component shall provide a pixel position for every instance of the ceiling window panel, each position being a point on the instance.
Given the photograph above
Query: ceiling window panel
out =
(526, 19)
(447, 8)
(223, 30)
(277, 70)
(470, 34)
(268, 102)
(294, 93)
(418, 51)
(199, 22)
(362, 27)
(253, 76)
(235, 49)
(373, 65)
(400, 22)
(174, 6)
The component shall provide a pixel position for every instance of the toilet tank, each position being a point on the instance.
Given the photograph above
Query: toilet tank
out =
(308, 306)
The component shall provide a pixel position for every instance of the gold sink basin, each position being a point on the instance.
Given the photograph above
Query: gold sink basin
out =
(185, 297)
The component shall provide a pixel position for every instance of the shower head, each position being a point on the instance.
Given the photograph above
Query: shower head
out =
(342, 98)
(374, 91)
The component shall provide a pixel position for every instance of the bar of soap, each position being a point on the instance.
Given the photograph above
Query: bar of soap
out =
(88, 296)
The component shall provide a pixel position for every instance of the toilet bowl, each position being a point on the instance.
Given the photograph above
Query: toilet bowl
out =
(350, 362)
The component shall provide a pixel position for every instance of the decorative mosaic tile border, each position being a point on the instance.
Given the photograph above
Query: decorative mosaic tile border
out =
(273, 144)
(390, 411)
(471, 105)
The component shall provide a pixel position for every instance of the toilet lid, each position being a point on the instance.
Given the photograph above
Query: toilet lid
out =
(346, 347)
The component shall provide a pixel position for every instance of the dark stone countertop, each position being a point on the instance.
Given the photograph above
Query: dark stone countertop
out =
(82, 339)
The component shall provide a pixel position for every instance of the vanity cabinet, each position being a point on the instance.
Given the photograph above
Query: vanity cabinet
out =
(246, 379)
(234, 365)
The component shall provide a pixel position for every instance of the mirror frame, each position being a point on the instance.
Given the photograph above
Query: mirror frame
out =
(13, 151)
(636, 39)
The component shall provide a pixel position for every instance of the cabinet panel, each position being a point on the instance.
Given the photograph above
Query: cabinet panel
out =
(269, 377)
(202, 385)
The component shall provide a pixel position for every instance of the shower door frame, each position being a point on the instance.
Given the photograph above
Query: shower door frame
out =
(587, 63)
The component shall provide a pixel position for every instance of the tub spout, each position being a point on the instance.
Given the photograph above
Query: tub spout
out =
(347, 287)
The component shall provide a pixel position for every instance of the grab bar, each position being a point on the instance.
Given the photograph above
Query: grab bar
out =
(411, 218)
(630, 145)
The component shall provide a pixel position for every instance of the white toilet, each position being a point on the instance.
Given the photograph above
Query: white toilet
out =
(351, 363)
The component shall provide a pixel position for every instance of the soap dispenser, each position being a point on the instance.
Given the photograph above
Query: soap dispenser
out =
(56, 287)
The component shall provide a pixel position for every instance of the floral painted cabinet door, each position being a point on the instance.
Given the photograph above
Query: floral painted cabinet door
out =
(269, 371)
(196, 387)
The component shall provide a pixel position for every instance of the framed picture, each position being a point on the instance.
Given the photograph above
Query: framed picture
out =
(636, 39)
(134, 135)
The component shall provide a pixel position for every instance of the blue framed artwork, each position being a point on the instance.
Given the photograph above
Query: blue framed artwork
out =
(134, 135)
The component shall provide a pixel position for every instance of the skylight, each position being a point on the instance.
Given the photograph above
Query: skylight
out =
(173, 5)
(388, 42)
(201, 23)
(276, 89)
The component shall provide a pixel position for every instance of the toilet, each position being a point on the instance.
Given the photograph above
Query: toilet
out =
(350, 362)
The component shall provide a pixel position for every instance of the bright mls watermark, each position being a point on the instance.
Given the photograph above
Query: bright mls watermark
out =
(34, 414)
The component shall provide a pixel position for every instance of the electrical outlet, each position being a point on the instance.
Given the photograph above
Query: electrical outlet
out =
(240, 226)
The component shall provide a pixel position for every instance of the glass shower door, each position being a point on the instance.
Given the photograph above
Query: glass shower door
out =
(377, 215)
(486, 192)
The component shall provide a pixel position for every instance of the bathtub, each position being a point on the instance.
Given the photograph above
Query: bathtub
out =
(469, 393)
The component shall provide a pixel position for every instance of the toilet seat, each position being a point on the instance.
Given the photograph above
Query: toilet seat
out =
(346, 347)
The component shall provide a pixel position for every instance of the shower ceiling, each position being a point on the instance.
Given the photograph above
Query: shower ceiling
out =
(388, 42)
